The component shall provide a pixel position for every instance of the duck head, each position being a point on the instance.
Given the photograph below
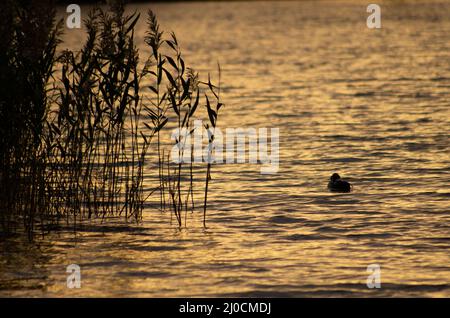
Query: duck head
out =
(335, 177)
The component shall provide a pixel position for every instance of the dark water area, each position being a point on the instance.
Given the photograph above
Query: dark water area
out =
(371, 104)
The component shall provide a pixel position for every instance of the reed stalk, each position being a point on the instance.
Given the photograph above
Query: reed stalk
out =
(75, 146)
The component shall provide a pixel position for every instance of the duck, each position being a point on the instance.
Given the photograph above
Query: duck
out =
(336, 184)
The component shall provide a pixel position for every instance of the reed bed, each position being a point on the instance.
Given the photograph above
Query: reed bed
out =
(77, 129)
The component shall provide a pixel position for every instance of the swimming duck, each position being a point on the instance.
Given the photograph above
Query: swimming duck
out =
(336, 184)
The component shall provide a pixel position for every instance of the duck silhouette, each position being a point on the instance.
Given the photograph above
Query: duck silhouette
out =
(336, 184)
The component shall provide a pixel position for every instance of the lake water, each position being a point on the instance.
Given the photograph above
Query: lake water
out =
(372, 105)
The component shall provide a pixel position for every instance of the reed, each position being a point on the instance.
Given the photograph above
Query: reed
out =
(75, 145)
(178, 101)
(98, 101)
(29, 38)
(213, 114)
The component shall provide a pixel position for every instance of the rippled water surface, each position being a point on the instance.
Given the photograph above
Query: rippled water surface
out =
(371, 104)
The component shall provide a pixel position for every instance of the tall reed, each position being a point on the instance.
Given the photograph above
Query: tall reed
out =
(213, 113)
(179, 102)
(29, 36)
(75, 145)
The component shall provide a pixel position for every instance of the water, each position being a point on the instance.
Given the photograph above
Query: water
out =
(372, 105)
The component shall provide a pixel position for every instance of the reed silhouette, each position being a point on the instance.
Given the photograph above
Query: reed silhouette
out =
(77, 128)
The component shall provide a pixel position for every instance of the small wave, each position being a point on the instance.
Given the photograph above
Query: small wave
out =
(143, 274)
(156, 248)
(440, 79)
(281, 219)
(306, 237)
(330, 229)
(364, 94)
(343, 160)
(372, 235)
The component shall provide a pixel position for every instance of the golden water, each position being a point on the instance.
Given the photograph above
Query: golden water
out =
(372, 105)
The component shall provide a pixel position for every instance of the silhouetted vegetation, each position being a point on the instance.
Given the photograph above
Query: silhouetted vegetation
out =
(76, 128)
